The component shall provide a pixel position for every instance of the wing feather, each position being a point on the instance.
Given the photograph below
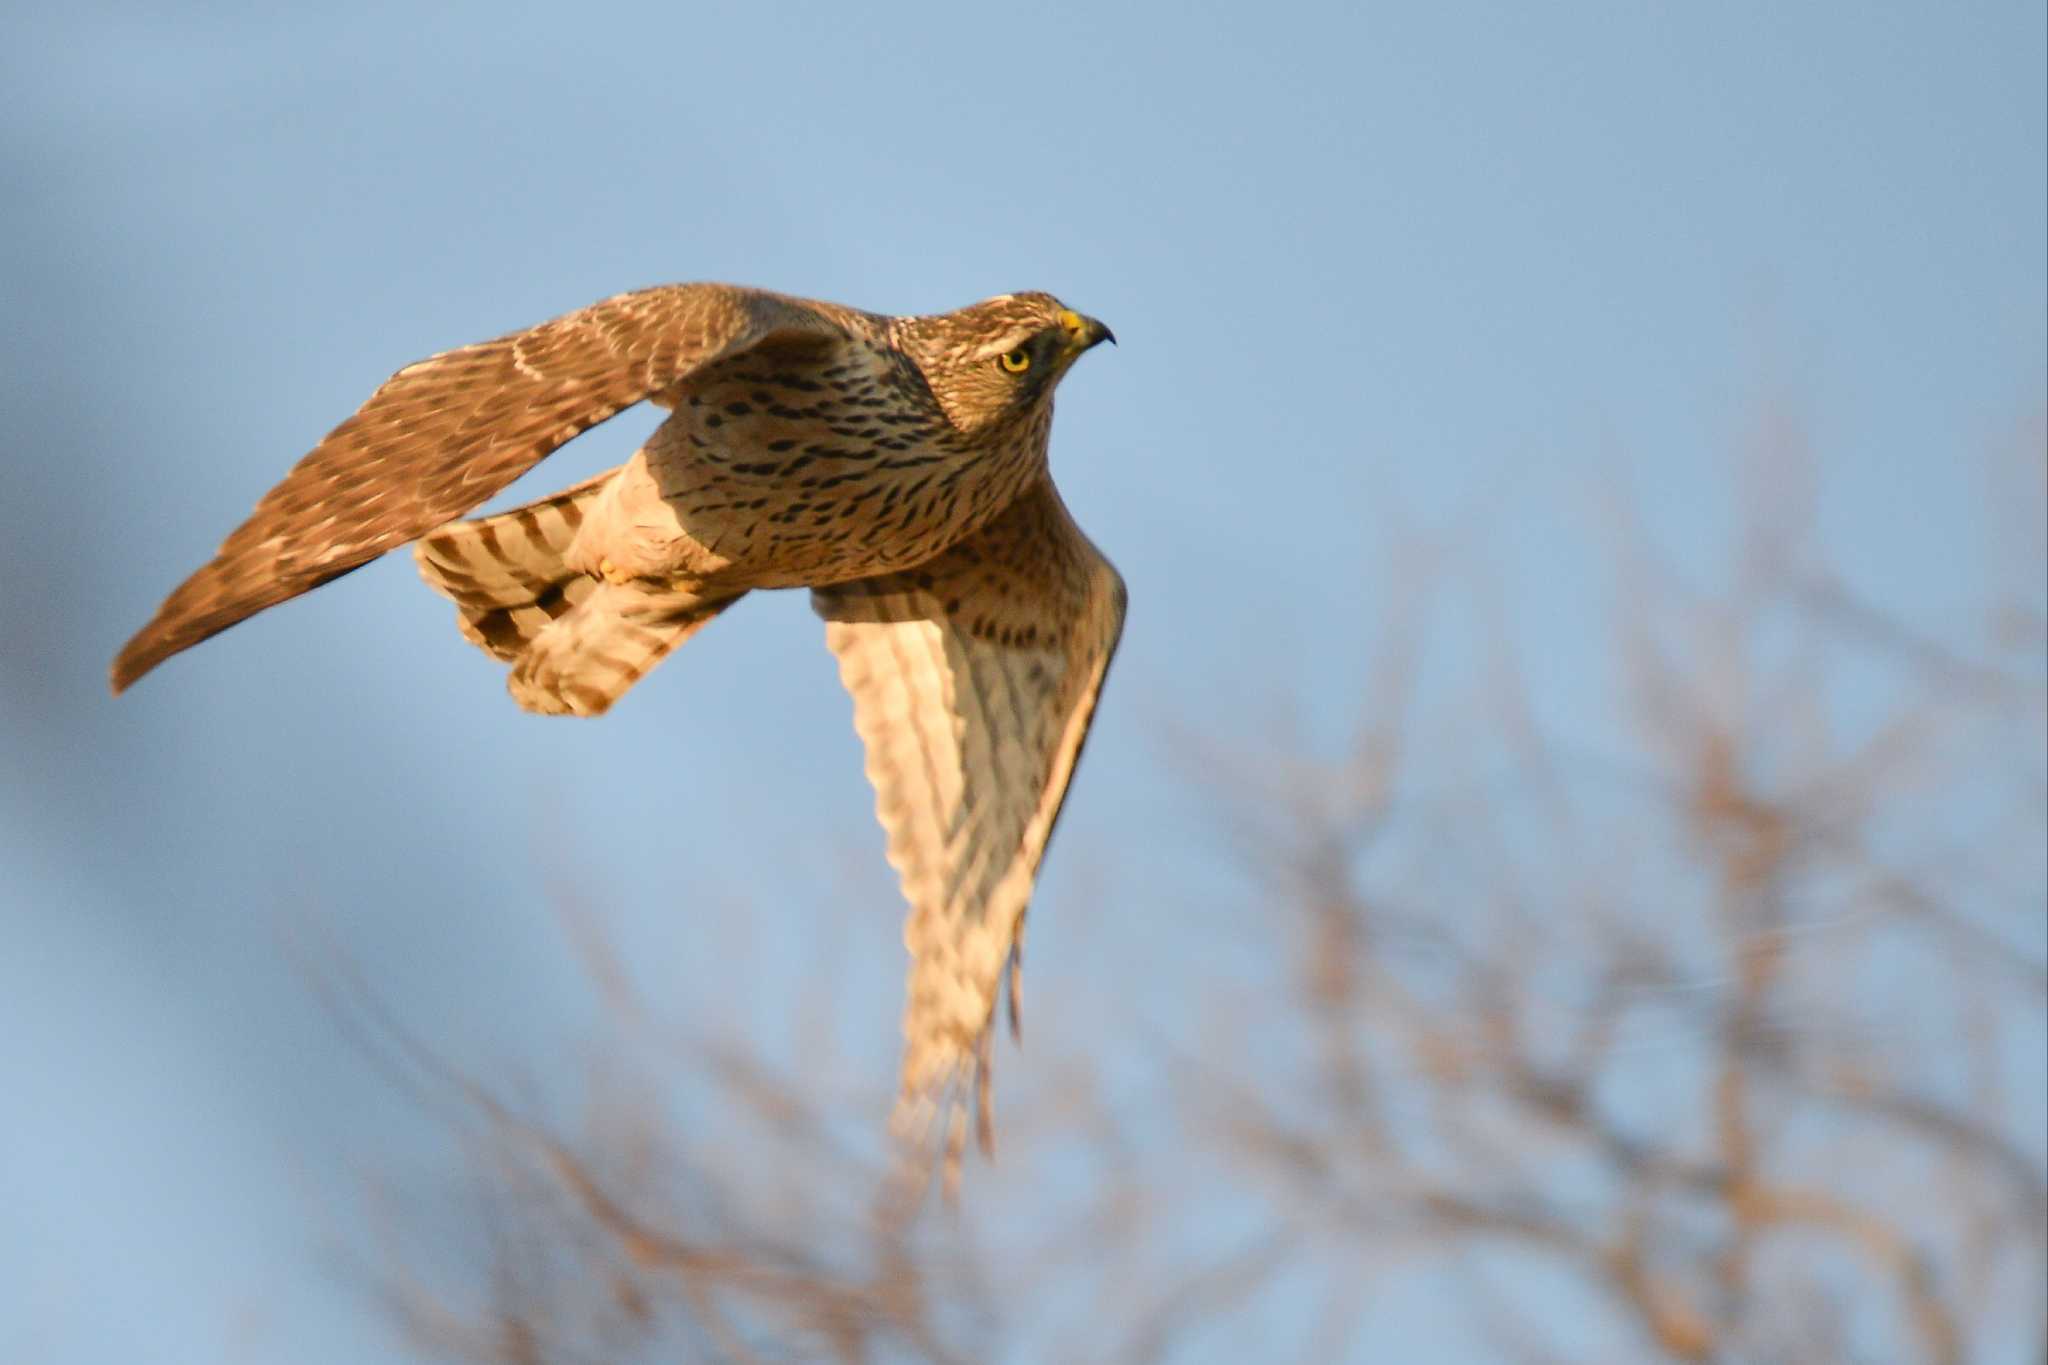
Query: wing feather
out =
(447, 433)
(974, 678)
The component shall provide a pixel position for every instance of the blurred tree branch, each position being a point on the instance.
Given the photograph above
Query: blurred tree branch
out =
(1710, 1035)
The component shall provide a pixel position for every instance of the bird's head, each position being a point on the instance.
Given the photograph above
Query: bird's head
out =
(999, 360)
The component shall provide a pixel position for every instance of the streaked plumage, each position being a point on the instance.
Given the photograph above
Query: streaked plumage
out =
(894, 466)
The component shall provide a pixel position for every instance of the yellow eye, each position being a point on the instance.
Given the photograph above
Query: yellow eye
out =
(1017, 361)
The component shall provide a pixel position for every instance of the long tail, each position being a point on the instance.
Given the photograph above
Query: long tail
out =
(576, 643)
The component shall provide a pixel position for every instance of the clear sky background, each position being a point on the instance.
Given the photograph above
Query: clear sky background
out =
(1370, 266)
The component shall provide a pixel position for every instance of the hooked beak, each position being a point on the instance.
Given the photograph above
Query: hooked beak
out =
(1084, 332)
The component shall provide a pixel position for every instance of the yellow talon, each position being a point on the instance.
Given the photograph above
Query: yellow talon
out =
(610, 572)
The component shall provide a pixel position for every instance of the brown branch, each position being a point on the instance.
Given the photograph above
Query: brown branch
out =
(1770, 1206)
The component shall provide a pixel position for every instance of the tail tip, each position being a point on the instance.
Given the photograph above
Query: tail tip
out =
(556, 696)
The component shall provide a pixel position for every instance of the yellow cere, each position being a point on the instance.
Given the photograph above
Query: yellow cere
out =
(1071, 320)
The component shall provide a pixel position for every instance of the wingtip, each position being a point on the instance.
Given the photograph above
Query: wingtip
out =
(136, 658)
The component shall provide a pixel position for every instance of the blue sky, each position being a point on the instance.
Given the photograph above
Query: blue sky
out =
(1457, 265)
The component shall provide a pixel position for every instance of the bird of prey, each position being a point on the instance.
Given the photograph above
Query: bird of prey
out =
(895, 466)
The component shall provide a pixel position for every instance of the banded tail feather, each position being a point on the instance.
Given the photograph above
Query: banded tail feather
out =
(586, 660)
(506, 574)
(576, 643)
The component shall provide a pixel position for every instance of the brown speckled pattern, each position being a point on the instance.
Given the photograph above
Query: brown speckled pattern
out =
(818, 468)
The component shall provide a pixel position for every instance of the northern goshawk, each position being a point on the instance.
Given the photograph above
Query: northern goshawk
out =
(895, 466)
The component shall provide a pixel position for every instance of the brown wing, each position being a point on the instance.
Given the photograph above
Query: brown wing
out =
(974, 677)
(445, 434)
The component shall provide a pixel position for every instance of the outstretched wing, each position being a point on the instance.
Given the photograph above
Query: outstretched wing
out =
(445, 434)
(974, 677)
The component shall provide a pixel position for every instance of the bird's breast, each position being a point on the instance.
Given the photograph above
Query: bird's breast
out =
(794, 478)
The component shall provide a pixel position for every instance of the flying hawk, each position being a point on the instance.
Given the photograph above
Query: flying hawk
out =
(895, 466)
